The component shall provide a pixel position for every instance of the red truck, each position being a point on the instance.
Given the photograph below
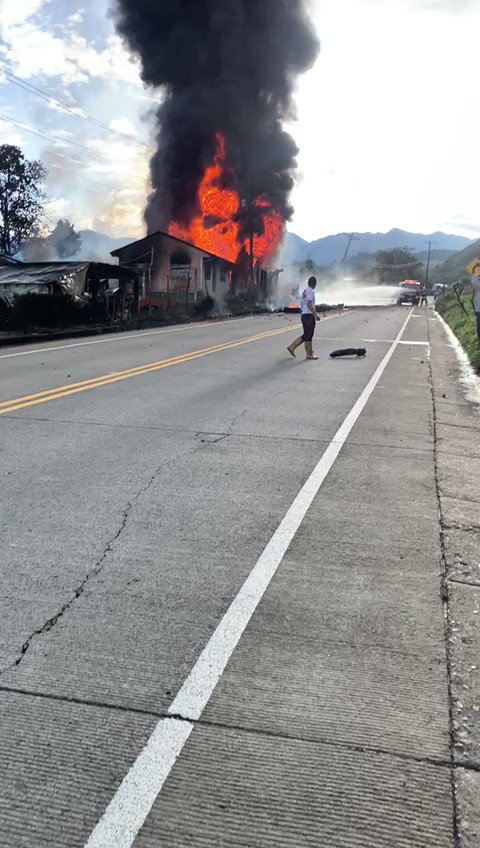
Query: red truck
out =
(410, 292)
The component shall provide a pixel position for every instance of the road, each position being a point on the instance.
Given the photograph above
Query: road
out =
(221, 617)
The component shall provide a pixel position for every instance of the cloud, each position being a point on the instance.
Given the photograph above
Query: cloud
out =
(33, 46)
(77, 17)
(433, 5)
(109, 195)
(123, 125)
(15, 12)
(448, 5)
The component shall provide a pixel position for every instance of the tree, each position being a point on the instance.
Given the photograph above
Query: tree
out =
(64, 240)
(21, 198)
(393, 266)
(62, 243)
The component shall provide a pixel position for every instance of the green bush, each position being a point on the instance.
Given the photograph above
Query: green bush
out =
(4, 313)
(463, 324)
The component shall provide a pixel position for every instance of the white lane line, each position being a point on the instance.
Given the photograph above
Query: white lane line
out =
(423, 344)
(122, 337)
(368, 341)
(135, 797)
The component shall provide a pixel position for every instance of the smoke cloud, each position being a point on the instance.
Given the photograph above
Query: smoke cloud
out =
(224, 66)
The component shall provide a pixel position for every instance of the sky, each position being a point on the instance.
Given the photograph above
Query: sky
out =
(387, 124)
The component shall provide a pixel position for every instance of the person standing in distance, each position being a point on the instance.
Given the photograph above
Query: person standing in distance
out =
(309, 319)
(475, 284)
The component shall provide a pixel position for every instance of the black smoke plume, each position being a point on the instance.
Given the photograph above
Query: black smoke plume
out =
(228, 66)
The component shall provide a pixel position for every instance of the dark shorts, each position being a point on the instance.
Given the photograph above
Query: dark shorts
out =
(308, 324)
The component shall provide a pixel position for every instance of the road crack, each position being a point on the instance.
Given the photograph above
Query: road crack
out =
(222, 436)
(91, 574)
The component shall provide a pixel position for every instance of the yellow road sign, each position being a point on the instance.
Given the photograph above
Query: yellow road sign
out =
(474, 268)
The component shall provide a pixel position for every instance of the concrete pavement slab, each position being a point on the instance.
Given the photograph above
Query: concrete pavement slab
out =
(464, 635)
(462, 554)
(459, 477)
(57, 527)
(467, 791)
(61, 763)
(458, 414)
(244, 790)
(460, 513)
(336, 693)
(459, 441)
(388, 607)
(185, 549)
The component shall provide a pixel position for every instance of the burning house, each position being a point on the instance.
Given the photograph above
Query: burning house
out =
(172, 271)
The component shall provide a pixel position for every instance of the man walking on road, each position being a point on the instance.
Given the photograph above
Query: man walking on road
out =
(309, 319)
(424, 301)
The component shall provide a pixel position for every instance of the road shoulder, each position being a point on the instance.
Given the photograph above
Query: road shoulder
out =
(457, 449)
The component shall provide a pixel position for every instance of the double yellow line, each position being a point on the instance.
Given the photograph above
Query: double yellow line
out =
(96, 382)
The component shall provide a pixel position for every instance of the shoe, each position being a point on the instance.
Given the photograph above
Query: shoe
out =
(309, 349)
(292, 348)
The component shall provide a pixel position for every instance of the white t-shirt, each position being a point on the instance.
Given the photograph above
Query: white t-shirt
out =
(475, 284)
(308, 296)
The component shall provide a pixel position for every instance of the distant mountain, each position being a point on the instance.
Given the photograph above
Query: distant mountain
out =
(295, 249)
(330, 249)
(436, 256)
(99, 246)
(322, 251)
(454, 269)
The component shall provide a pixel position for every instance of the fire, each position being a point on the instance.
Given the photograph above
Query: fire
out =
(216, 228)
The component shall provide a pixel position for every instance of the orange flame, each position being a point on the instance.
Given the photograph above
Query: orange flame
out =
(215, 227)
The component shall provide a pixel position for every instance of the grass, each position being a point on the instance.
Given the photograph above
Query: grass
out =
(464, 326)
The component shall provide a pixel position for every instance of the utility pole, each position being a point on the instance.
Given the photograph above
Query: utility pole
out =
(351, 238)
(247, 207)
(252, 260)
(428, 261)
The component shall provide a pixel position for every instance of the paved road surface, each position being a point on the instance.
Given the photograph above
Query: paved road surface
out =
(187, 506)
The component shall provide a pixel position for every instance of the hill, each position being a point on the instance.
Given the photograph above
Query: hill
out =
(323, 251)
(99, 246)
(330, 249)
(453, 269)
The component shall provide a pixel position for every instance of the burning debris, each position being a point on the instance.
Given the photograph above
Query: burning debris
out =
(223, 170)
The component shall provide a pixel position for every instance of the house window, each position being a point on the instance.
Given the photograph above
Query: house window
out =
(180, 271)
(180, 265)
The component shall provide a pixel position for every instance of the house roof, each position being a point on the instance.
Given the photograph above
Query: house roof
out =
(174, 238)
(41, 273)
(7, 260)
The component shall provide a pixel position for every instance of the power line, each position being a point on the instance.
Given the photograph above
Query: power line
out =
(75, 111)
(54, 138)
(91, 182)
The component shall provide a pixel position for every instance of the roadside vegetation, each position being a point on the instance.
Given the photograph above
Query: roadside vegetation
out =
(457, 309)
(35, 312)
